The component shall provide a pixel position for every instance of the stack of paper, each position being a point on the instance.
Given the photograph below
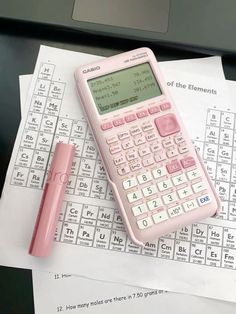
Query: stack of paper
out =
(198, 259)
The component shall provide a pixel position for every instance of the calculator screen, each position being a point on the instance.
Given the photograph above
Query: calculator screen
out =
(124, 88)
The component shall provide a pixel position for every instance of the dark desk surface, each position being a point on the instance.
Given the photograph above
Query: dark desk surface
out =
(19, 45)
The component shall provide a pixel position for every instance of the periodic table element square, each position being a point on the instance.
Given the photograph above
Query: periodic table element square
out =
(40, 159)
(29, 139)
(150, 249)
(19, 176)
(24, 157)
(211, 168)
(215, 235)
(98, 189)
(182, 251)
(210, 152)
(109, 194)
(75, 165)
(52, 106)
(229, 239)
(46, 71)
(70, 186)
(57, 90)
(184, 233)
(99, 172)
(78, 143)
(83, 186)
(232, 211)
(225, 154)
(131, 247)
(117, 221)
(224, 211)
(223, 189)
(213, 117)
(118, 240)
(213, 256)
(223, 172)
(79, 129)
(227, 120)
(69, 232)
(234, 156)
(226, 137)
(199, 233)
(102, 238)
(105, 217)
(228, 258)
(166, 248)
(89, 215)
(212, 134)
(64, 126)
(197, 253)
(35, 179)
(85, 235)
(33, 121)
(73, 212)
(232, 192)
(42, 87)
(199, 146)
(89, 149)
(89, 135)
(38, 103)
(44, 141)
(48, 124)
(86, 168)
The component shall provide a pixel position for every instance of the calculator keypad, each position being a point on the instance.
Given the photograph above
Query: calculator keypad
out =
(170, 189)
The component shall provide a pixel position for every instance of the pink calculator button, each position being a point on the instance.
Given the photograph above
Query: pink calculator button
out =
(167, 124)
(130, 118)
(165, 106)
(142, 114)
(118, 122)
(188, 162)
(174, 166)
(106, 126)
(154, 109)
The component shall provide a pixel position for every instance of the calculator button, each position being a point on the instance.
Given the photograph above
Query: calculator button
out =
(114, 149)
(118, 122)
(193, 174)
(180, 179)
(131, 155)
(154, 204)
(135, 165)
(183, 149)
(119, 160)
(130, 118)
(139, 209)
(188, 162)
(135, 130)
(144, 177)
(165, 106)
(143, 151)
(148, 161)
(112, 139)
(185, 192)
(147, 126)
(160, 156)
(123, 135)
(175, 211)
(164, 185)
(151, 137)
(142, 114)
(167, 142)
(145, 223)
(129, 183)
(150, 190)
(159, 172)
(171, 152)
(139, 140)
(159, 217)
(134, 196)
(190, 205)
(167, 124)
(203, 200)
(154, 109)
(198, 187)
(106, 126)
(179, 139)
(174, 166)
(155, 147)
(170, 198)
(127, 145)
(123, 170)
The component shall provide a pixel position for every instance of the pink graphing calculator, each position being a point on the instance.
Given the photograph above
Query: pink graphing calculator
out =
(159, 181)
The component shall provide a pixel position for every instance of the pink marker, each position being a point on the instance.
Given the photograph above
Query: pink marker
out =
(51, 201)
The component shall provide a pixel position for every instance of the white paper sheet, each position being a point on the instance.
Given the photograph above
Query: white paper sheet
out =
(53, 88)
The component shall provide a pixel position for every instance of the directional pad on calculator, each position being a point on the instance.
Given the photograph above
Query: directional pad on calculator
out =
(167, 124)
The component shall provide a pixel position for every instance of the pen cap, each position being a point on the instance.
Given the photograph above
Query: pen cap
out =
(51, 201)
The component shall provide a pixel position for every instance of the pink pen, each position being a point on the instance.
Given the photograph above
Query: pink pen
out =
(51, 201)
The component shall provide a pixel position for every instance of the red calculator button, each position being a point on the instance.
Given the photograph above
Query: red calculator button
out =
(130, 118)
(154, 109)
(167, 124)
(165, 106)
(106, 126)
(174, 166)
(118, 122)
(142, 114)
(188, 162)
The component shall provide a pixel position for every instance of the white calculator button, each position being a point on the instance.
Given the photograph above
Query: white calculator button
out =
(134, 196)
(139, 209)
(175, 211)
(135, 130)
(183, 149)
(139, 140)
(112, 139)
(119, 160)
(145, 223)
(154, 204)
(123, 135)
(135, 165)
(190, 205)
(127, 144)
(193, 174)
(164, 185)
(159, 217)
(143, 151)
(144, 177)
(198, 187)
(180, 179)
(150, 190)
(148, 161)
(167, 142)
(160, 156)
(179, 139)
(159, 172)
(147, 126)
(151, 137)
(170, 198)
(185, 192)
(131, 155)
(155, 147)
(114, 149)
(172, 153)
(123, 170)
(204, 200)
(129, 183)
